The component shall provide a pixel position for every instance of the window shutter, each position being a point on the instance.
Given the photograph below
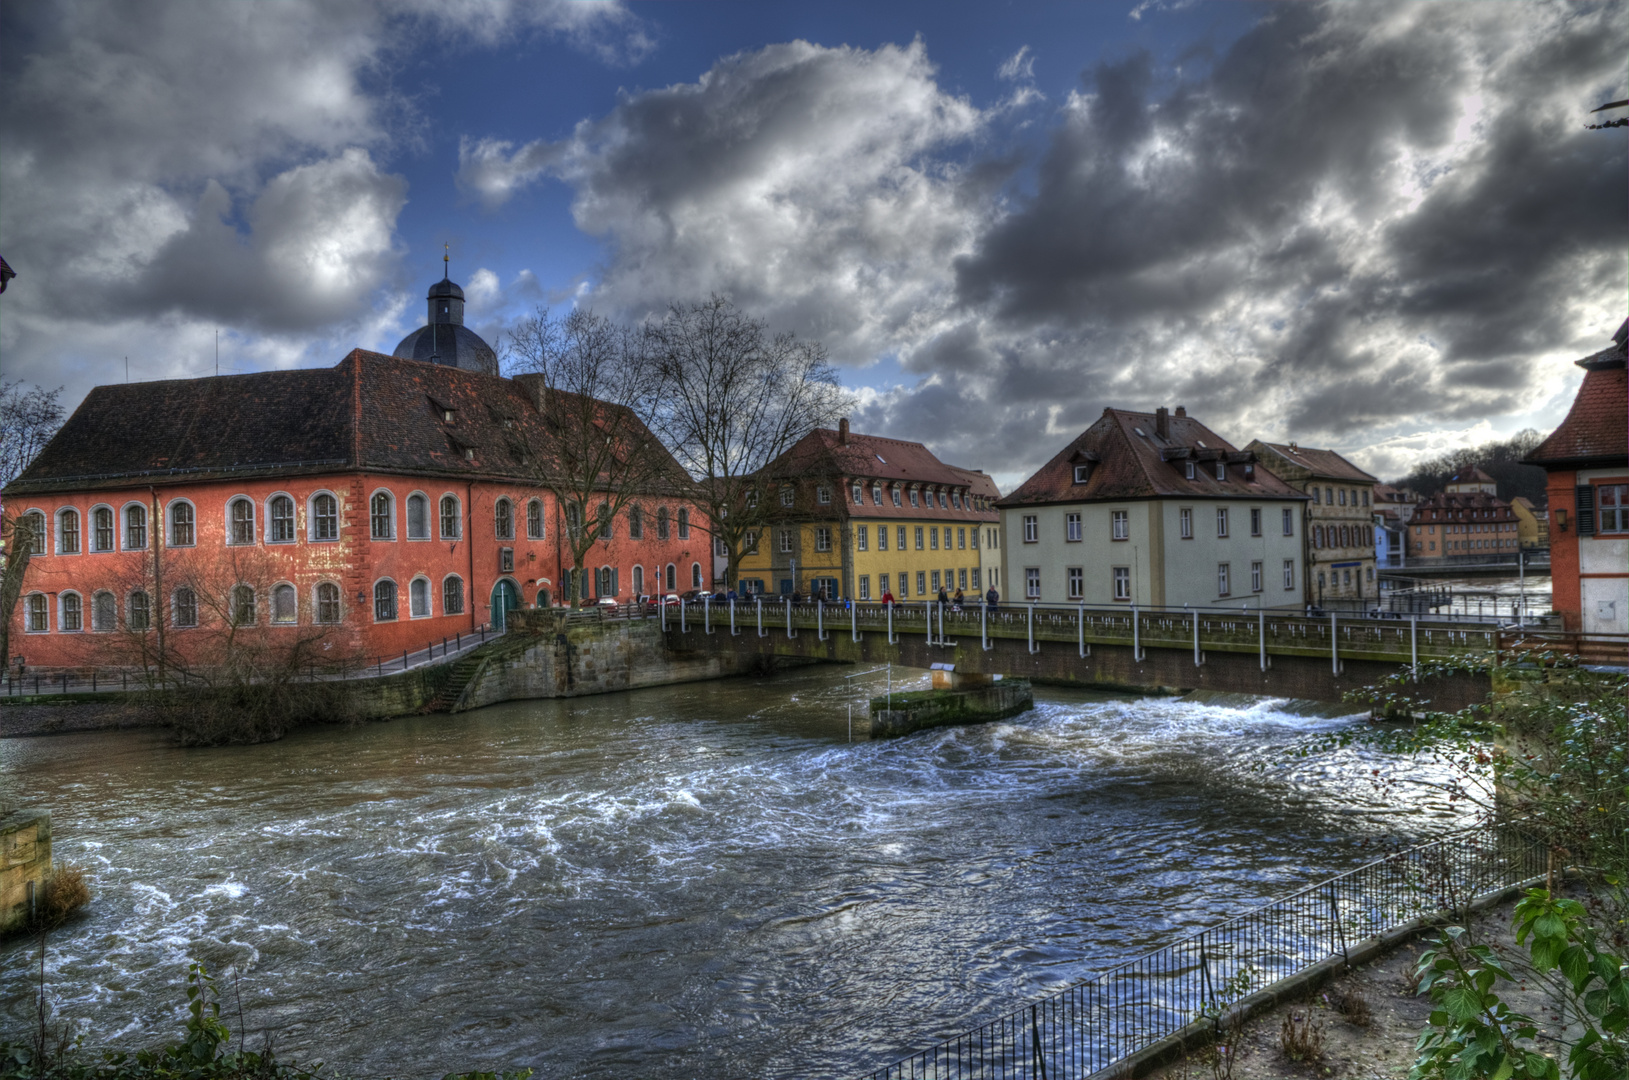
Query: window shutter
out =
(1584, 500)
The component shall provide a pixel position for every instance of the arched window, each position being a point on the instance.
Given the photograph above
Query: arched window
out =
(503, 520)
(183, 532)
(384, 601)
(381, 521)
(186, 607)
(68, 532)
(73, 614)
(451, 520)
(604, 517)
(418, 599)
(39, 617)
(328, 603)
(285, 604)
(240, 516)
(895, 492)
(135, 528)
(281, 518)
(418, 517)
(574, 520)
(452, 596)
(324, 517)
(639, 581)
(605, 582)
(636, 523)
(104, 612)
(672, 577)
(141, 611)
(663, 531)
(534, 519)
(243, 605)
(684, 524)
(695, 575)
(34, 521)
(102, 528)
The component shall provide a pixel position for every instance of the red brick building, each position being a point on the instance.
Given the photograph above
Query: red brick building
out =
(379, 504)
(1466, 521)
(1588, 468)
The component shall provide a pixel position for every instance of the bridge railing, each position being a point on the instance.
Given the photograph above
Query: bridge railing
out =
(1092, 1025)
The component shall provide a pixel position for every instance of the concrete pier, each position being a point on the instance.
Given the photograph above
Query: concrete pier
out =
(25, 860)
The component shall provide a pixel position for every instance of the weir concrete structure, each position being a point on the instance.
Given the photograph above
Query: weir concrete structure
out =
(1318, 657)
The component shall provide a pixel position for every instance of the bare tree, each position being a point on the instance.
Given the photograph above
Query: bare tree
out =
(17, 530)
(591, 379)
(734, 398)
(29, 417)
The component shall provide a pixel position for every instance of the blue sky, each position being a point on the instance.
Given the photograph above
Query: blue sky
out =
(1377, 227)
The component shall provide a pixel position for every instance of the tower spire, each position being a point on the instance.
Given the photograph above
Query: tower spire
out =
(446, 255)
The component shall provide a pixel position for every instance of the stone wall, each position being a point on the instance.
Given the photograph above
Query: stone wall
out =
(949, 708)
(25, 859)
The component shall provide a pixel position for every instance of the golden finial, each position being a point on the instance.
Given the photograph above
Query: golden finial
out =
(446, 256)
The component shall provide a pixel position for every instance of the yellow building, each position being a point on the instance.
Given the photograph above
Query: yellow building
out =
(863, 516)
(1532, 525)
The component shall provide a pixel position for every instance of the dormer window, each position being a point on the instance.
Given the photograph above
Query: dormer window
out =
(896, 496)
(859, 493)
(1188, 470)
(876, 495)
(1221, 471)
(1082, 473)
(914, 501)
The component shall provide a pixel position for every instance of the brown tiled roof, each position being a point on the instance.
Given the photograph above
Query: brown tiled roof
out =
(1129, 465)
(1472, 475)
(1324, 464)
(1470, 500)
(1392, 493)
(369, 412)
(1596, 430)
(978, 482)
(822, 453)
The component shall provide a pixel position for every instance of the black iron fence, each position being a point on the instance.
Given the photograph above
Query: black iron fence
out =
(1094, 1024)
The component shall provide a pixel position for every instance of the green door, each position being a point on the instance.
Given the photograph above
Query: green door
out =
(505, 598)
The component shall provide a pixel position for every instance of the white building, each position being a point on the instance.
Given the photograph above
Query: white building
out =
(1153, 509)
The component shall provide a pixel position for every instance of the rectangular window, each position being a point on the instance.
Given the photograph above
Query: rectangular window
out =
(921, 582)
(935, 582)
(1612, 508)
(823, 495)
(961, 539)
(749, 542)
(1289, 521)
(1255, 577)
(913, 498)
(961, 579)
(858, 492)
(1120, 525)
(1223, 586)
(1122, 583)
(1032, 582)
(786, 541)
(786, 496)
(1343, 496)
(865, 586)
(38, 614)
(1187, 469)
(976, 584)
(973, 538)
(876, 494)
(882, 585)
(506, 560)
(862, 538)
(933, 539)
(1255, 521)
(882, 538)
(1221, 521)
(947, 537)
(919, 538)
(822, 539)
(1077, 583)
(895, 493)
(103, 517)
(1032, 529)
(135, 528)
(1221, 471)
(1071, 528)
(1289, 574)
(1185, 523)
(900, 536)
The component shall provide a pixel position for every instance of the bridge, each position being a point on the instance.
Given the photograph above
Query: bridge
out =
(1235, 649)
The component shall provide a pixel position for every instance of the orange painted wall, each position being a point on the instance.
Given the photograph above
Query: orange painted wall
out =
(354, 562)
(1565, 596)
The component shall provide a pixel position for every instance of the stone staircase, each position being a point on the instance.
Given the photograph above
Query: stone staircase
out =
(467, 671)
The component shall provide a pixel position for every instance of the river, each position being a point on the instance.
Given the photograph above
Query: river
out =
(696, 881)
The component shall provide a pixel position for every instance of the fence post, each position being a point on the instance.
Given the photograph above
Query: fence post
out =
(1334, 646)
(1035, 1045)
(853, 619)
(1196, 658)
(1414, 646)
(761, 631)
(1080, 625)
(927, 618)
(1136, 636)
(707, 614)
(1262, 612)
(1335, 914)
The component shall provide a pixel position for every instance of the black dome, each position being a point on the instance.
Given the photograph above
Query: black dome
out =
(445, 288)
(450, 344)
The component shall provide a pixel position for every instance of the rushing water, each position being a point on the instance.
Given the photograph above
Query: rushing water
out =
(704, 880)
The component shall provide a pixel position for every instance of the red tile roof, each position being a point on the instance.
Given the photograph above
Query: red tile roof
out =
(868, 458)
(1129, 459)
(1596, 430)
(1324, 464)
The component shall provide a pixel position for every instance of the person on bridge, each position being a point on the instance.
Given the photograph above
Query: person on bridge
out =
(957, 600)
(887, 597)
(992, 598)
(943, 597)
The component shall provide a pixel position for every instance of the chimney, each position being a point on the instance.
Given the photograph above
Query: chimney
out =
(1162, 422)
(842, 431)
(1181, 410)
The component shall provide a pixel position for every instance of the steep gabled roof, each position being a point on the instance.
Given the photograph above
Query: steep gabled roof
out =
(870, 457)
(1133, 461)
(1324, 464)
(1596, 430)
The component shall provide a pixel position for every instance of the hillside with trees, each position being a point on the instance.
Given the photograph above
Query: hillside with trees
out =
(1500, 459)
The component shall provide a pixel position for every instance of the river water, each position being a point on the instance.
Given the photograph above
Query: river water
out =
(694, 881)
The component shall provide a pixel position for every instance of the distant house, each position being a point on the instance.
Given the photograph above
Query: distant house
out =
(1340, 533)
(1401, 501)
(1465, 522)
(1153, 509)
(1588, 494)
(1532, 524)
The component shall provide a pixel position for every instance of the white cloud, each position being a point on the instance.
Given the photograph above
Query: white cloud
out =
(1019, 67)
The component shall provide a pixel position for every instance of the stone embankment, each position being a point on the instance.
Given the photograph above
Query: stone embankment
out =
(25, 861)
(965, 701)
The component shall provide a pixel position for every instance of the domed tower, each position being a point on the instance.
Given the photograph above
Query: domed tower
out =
(445, 339)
